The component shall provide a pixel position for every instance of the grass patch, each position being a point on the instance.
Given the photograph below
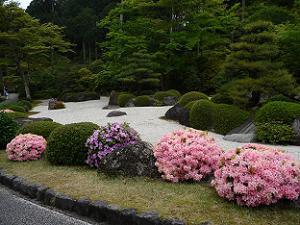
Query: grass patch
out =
(193, 203)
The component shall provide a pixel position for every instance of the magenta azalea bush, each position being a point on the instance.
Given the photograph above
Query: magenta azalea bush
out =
(26, 147)
(187, 155)
(107, 139)
(257, 175)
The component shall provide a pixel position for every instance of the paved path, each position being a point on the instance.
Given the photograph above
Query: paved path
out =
(18, 211)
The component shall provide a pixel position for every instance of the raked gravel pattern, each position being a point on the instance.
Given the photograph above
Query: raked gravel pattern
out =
(145, 120)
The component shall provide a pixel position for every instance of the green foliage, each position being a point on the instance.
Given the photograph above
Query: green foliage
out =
(160, 95)
(123, 99)
(66, 144)
(202, 115)
(191, 96)
(274, 133)
(8, 129)
(15, 106)
(143, 100)
(280, 98)
(42, 128)
(79, 96)
(222, 98)
(278, 112)
(228, 117)
(190, 105)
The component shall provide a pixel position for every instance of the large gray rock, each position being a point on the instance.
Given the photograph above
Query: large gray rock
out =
(134, 160)
(179, 113)
(296, 128)
(113, 98)
(116, 113)
(242, 138)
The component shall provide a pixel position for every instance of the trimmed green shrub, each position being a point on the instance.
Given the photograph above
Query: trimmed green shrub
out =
(175, 92)
(123, 99)
(160, 95)
(79, 96)
(228, 117)
(222, 99)
(13, 106)
(280, 98)
(190, 105)
(143, 100)
(191, 96)
(278, 112)
(66, 144)
(274, 133)
(8, 129)
(202, 115)
(42, 128)
(17, 115)
(26, 104)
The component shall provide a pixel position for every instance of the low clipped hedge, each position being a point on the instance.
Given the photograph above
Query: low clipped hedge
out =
(79, 96)
(124, 98)
(66, 144)
(41, 128)
(8, 129)
(228, 117)
(202, 115)
(191, 96)
(143, 100)
(221, 118)
(278, 112)
(13, 106)
(274, 133)
(280, 98)
(160, 95)
(222, 99)
(190, 105)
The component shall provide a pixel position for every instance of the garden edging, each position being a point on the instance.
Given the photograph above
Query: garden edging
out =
(98, 210)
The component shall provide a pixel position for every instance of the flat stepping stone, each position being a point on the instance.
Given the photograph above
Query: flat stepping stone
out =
(116, 113)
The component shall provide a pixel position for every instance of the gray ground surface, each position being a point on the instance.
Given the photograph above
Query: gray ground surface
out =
(15, 210)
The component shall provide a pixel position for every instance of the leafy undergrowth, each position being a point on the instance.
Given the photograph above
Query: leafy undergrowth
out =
(194, 203)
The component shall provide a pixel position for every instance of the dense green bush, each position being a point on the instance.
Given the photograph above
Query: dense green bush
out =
(190, 105)
(160, 95)
(66, 144)
(191, 96)
(274, 133)
(26, 104)
(124, 98)
(143, 100)
(221, 98)
(280, 98)
(202, 115)
(42, 128)
(15, 106)
(228, 117)
(280, 112)
(79, 96)
(8, 129)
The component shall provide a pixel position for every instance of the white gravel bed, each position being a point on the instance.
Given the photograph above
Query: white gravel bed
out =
(145, 120)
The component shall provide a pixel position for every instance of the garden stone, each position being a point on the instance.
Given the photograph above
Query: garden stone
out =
(49, 197)
(82, 207)
(113, 98)
(32, 190)
(170, 100)
(184, 117)
(40, 193)
(148, 218)
(173, 113)
(130, 103)
(22, 121)
(17, 184)
(134, 160)
(51, 104)
(64, 202)
(116, 113)
(97, 210)
(113, 214)
(111, 107)
(242, 138)
(172, 222)
(243, 134)
(128, 216)
(296, 128)
(8, 181)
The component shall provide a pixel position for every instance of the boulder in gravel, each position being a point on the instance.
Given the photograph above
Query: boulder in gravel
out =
(173, 113)
(113, 98)
(116, 113)
(134, 160)
(242, 138)
(296, 128)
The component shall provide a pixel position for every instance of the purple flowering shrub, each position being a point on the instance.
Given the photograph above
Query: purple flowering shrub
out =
(107, 139)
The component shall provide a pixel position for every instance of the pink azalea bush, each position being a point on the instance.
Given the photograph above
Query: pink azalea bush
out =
(257, 175)
(187, 155)
(25, 147)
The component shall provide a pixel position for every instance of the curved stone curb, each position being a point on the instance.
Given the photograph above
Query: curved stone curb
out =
(100, 211)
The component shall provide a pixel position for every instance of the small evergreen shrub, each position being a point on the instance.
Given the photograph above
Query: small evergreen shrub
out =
(26, 104)
(202, 115)
(124, 98)
(42, 128)
(256, 175)
(228, 117)
(187, 155)
(26, 147)
(66, 144)
(13, 106)
(143, 100)
(222, 99)
(274, 133)
(191, 96)
(280, 98)
(278, 112)
(175, 92)
(190, 105)
(8, 129)
(160, 95)
(108, 138)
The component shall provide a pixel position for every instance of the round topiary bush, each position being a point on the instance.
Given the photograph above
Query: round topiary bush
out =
(280, 98)
(123, 99)
(26, 147)
(66, 144)
(26, 104)
(280, 112)
(187, 155)
(42, 128)
(108, 138)
(160, 95)
(222, 99)
(257, 175)
(274, 133)
(8, 129)
(202, 115)
(228, 117)
(191, 96)
(143, 100)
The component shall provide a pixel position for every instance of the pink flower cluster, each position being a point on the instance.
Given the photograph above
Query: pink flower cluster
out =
(26, 147)
(187, 155)
(257, 175)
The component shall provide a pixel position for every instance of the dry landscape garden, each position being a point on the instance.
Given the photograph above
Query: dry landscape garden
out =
(166, 111)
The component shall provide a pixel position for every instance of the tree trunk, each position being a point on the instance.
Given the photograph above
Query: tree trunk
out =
(26, 85)
(83, 51)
